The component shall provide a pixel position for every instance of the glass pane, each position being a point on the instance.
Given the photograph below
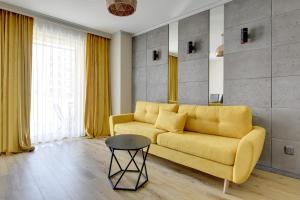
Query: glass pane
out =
(216, 57)
(173, 62)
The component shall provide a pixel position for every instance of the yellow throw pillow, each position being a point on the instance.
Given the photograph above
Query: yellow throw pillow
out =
(170, 121)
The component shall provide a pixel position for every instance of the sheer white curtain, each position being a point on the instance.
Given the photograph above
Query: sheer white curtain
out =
(58, 66)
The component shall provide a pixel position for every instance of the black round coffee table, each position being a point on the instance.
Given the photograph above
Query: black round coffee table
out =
(132, 144)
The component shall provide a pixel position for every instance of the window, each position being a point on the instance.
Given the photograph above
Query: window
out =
(57, 102)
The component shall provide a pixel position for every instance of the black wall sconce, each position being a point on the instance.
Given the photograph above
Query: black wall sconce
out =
(155, 55)
(191, 47)
(244, 35)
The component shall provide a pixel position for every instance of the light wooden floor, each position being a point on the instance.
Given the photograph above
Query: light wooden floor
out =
(77, 169)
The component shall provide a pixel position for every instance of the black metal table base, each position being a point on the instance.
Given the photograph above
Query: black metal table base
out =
(126, 170)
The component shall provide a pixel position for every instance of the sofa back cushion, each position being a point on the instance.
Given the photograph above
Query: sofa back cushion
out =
(148, 111)
(227, 121)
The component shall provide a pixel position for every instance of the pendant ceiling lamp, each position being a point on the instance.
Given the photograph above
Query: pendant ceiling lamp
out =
(121, 7)
(220, 49)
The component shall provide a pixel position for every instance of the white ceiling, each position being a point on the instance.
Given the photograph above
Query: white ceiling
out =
(93, 13)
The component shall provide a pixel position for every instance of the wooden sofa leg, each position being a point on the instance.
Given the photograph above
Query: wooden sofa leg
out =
(226, 185)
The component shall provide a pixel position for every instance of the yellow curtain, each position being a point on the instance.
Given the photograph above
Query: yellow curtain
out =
(15, 81)
(97, 105)
(173, 79)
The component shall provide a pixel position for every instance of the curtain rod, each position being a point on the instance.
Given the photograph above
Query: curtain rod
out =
(34, 14)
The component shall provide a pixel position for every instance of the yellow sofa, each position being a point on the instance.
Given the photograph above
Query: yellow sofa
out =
(218, 140)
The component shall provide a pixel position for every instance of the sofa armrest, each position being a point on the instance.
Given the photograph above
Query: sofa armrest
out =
(248, 153)
(117, 119)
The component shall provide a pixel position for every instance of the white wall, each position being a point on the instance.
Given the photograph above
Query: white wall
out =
(126, 71)
(120, 72)
(115, 73)
(216, 76)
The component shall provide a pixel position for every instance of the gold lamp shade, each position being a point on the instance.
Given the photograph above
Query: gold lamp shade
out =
(220, 51)
(121, 7)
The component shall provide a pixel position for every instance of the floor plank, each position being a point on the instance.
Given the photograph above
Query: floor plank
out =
(76, 169)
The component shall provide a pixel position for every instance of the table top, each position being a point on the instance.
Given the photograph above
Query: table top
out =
(128, 142)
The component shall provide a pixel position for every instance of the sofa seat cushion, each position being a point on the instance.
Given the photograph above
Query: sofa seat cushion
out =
(216, 148)
(138, 128)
